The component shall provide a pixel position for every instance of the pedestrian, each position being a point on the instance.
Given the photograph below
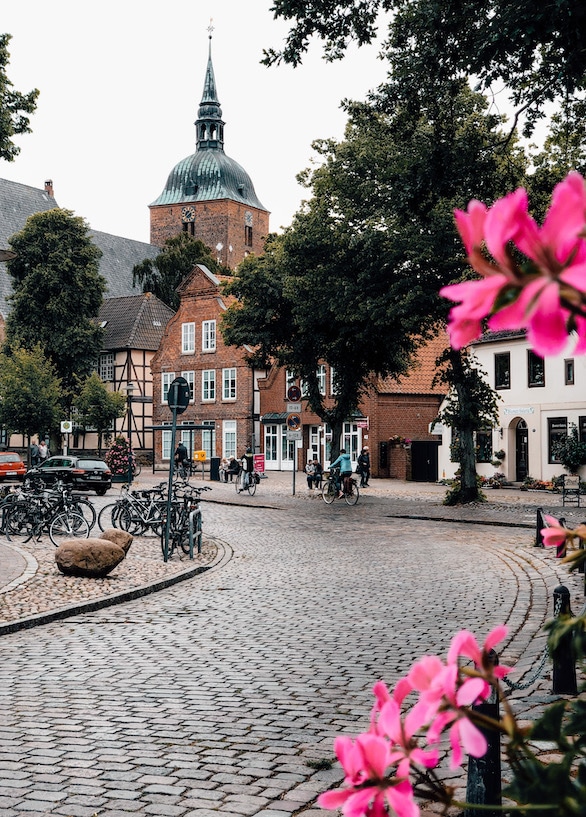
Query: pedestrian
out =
(224, 464)
(34, 454)
(310, 471)
(364, 467)
(345, 464)
(233, 468)
(317, 474)
(43, 451)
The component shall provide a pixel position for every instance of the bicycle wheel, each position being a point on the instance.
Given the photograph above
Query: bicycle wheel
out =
(329, 492)
(129, 520)
(136, 469)
(68, 525)
(19, 523)
(238, 483)
(86, 509)
(108, 516)
(251, 485)
(351, 496)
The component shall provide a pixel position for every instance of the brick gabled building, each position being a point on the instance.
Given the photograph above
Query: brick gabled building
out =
(209, 195)
(223, 389)
(395, 410)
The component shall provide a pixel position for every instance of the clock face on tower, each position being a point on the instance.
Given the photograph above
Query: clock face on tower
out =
(187, 214)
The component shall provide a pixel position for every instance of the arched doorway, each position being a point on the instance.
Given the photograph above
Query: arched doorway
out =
(521, 451)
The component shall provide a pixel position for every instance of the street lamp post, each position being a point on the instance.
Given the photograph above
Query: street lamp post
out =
(129, 388)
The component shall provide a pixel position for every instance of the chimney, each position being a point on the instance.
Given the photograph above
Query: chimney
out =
(49, 187)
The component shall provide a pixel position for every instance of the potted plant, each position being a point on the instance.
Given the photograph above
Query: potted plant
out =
(117, 459)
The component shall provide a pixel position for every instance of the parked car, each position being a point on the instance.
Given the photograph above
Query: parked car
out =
(11, 466)
(84, 473)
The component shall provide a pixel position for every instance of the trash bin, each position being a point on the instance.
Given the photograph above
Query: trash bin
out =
(215, 469)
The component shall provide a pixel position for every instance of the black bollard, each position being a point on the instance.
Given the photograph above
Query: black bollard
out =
(564, 659)
(560, 550)
(540, 524)
(483, 785)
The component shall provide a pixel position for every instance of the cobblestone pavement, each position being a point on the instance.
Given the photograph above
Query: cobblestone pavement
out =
(221, 694)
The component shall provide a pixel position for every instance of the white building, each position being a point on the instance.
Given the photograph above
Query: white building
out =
(540, 400)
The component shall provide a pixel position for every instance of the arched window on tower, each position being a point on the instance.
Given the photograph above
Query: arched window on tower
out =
(202, 131)
(212, 131)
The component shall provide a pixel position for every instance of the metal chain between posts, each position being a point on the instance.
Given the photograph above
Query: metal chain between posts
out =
(512, 686)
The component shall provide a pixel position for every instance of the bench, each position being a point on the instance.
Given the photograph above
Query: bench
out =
(571, 489)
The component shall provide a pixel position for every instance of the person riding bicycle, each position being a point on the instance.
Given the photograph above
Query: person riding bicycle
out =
(247, 468)
(345, 464)
(181, 457)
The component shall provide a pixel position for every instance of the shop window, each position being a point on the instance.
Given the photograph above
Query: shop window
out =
(484, 446)
(557, 429)
(535, 370)
(502, 370)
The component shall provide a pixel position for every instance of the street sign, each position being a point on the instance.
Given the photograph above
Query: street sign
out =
(66, 426)
(294, 435)
(293, 422)
(178, 395)
(293, 408)
(294, 393)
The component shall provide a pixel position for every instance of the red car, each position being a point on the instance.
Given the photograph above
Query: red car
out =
(11, 466)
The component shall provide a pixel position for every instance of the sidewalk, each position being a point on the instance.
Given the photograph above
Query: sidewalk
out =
(33, 592)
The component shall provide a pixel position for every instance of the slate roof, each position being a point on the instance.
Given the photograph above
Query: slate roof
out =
(134, 322)
(19, 201)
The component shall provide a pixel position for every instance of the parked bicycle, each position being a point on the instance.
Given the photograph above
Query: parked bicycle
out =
(136, 511)
(185, 523)
(37, 513)
(348, 487)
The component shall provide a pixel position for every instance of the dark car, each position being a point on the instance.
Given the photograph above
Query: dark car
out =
(11, 466)
(84, 473)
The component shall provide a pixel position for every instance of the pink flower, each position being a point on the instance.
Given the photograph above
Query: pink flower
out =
(554, 535)
(549, 292)
(465, 644)
(365, 762)
(401, 733)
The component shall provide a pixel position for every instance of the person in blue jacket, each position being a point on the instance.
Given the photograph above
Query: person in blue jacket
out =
(345, 464)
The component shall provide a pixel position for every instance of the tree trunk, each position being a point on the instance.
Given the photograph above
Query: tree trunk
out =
(468, 483)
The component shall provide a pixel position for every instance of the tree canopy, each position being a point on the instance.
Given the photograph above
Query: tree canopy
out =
(98, 407)
(537, 51)
(57, 292)
(163, 274)
(14, 106)
(30, 392)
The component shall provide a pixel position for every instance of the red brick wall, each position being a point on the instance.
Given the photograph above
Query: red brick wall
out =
(169, 358)
(216, 222)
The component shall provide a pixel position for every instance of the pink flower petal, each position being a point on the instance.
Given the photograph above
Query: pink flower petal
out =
(472, 738)
(470, 224)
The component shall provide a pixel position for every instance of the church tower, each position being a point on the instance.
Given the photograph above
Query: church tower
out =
(208, 194)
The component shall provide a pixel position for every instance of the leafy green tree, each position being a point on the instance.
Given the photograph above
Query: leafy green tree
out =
(471, 405)
(163, 274)
(57, 292)
(30, 392)
(98, 407)
(537, 51)
(14, 106)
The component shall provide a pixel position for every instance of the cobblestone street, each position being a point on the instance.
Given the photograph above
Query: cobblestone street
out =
(220, 695)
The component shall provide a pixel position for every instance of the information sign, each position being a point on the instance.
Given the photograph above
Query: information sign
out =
(293, 422)
(178, 395)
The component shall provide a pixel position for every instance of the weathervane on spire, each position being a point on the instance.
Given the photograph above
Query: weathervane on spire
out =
(210, 27)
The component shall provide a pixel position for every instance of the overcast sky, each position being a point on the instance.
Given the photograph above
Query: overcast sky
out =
(121, 82)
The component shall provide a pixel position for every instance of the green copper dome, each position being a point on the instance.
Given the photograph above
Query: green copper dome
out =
(209, 174)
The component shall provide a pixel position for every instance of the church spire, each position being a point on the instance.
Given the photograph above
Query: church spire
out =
(209, 126)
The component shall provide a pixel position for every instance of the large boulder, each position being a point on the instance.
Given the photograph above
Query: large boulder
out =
(89, 558)
(119, 537)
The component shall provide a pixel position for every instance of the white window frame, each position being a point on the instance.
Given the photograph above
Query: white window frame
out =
(106, 367)
(190, 377)
(229, 440)
(208, 336)
(208, 385)
(229, 383)
(290, 380)
(188, 338)
(166, 443)
(166, 379)
(208, 439)
(321, 375)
